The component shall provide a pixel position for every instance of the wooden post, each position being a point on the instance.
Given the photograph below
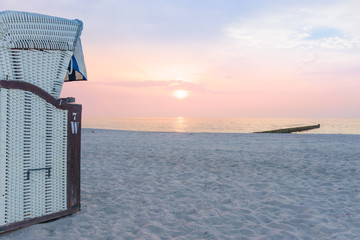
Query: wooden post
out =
(290, 130)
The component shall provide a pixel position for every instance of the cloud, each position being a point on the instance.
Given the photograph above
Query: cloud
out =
(330, 28)
(168, 85)
(171, 85)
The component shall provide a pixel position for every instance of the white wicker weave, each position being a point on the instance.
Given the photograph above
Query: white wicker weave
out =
(37, 48)
(38, 140)
(3, 103)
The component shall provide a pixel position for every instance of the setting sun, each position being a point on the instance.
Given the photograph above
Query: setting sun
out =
(180, 94)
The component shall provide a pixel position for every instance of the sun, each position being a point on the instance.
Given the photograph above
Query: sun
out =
(180, 93)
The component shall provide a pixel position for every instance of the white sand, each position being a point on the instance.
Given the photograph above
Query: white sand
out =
(138, 185)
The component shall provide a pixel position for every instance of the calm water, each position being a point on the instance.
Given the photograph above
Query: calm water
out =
(222, 125)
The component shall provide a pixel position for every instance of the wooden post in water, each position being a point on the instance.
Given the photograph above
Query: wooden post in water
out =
(290, 130)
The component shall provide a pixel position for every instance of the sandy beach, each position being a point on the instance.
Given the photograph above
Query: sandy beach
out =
(144, 185)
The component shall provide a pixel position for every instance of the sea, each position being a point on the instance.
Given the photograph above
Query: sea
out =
(221, 125)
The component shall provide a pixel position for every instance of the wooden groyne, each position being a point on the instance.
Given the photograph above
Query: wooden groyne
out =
(290, 130)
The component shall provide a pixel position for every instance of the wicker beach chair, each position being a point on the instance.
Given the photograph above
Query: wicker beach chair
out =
(36, 127)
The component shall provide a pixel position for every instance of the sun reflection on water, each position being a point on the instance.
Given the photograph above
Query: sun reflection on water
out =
(180, 124)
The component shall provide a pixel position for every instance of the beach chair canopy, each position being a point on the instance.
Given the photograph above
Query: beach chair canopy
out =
(40, 49)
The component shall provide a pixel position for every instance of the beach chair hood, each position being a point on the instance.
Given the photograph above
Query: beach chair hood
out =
(42, 50)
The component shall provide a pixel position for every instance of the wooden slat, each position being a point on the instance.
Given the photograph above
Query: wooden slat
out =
(73, 164)
(38, 91)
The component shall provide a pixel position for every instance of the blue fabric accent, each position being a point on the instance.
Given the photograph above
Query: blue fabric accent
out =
(75, 67)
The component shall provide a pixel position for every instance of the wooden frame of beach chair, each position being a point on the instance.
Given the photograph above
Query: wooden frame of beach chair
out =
(39, 133)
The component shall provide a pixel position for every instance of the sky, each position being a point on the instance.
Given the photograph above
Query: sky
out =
(207, 58)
